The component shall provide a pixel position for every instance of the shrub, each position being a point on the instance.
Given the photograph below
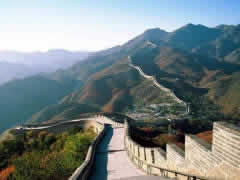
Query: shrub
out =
(5, 173)
(45, 155)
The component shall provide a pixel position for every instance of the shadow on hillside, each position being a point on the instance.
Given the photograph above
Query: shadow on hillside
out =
(100, 167)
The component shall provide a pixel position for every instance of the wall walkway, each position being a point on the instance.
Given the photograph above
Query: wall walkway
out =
(111, 160)
(114, 155)
(107, 158)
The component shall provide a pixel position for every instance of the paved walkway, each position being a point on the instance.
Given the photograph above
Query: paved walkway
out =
(112, 161)
(146, 178)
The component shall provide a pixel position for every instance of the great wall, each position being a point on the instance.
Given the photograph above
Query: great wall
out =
(155, 82)
(115, 155)
(199, 160)
(219, 161)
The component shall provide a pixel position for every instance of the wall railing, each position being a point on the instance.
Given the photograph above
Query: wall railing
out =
(162, 171)
(83, 172)
(148, 168)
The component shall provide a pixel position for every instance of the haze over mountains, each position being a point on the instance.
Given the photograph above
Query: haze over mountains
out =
(17, 65)
(199, 63)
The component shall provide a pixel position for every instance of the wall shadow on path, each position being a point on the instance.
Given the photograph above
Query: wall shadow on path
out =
(99, 171)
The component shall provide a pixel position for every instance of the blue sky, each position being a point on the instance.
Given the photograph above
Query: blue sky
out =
(39, 25)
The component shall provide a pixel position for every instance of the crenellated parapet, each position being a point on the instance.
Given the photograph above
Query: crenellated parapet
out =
(175, 157)
(226, 143)
(199, 160)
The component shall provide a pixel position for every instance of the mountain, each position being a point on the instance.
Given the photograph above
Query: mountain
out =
(192, 76)
(171, 57)
(51, 59)
(17, 65)
(225, 92)
(113, 89)
(22, 98)
(10, 71)
(223, 45)
(110, 85)
(191, 36)
(155, 35)
(233, 57)
(221, 42)
(185, 61)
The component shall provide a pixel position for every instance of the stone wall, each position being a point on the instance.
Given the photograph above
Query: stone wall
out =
(68, 124)
(84, 170)
(97, 123)
(219, 161)
(155, 82)
(106, 120)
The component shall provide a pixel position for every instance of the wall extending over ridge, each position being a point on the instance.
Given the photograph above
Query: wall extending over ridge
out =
(219, 161)
(155, 82)
(64, 125)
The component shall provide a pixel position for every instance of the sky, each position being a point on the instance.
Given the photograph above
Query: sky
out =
(91, 25)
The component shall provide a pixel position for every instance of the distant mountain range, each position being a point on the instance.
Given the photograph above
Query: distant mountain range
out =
(17, 65)
(199, 63)
(10, 71)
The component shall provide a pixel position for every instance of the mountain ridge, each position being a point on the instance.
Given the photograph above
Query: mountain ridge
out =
(195, 73)
(18, 65)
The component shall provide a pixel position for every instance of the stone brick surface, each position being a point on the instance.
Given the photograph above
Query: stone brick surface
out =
(219, 161)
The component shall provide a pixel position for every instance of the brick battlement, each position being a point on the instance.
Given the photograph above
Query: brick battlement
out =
(220, 161)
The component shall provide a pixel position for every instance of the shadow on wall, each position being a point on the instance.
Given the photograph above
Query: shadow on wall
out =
(99, 170)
